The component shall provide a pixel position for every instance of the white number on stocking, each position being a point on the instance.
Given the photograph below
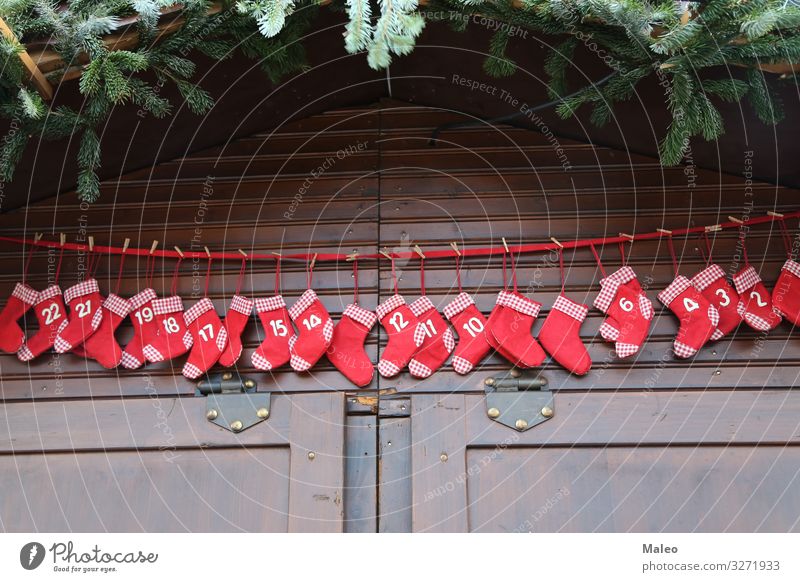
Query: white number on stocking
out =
(171, 326)
(690, 304)
(474, 326)
(84, 309)
(206, 328)
(312, 322)
(398, 322)
(144, 315)
(51, 313)
(757, 296)
(278, 328)
(430, 331)
(724, 299)
(626, 305)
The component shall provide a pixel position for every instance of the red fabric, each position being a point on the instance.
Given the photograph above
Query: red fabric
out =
(169, 338)
(102, 346)
(755, 303)
(278, 331)
(85, 315)
(315, 331)
(435, 339)
(470, 325)
(11, 334)
(235, 321)
(698, 318)
(560, 336)
(714, 286)
(400, 324)
(786, 294)
(346, 351)
(209, 338)
(629, 312)
(50, 313)
(512, 330)
(144, 326)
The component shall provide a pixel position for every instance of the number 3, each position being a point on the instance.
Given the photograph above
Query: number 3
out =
(724, 299)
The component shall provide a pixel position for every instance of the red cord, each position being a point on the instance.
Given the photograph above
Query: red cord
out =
(58, 266)
(309, 273)
(175, 277)
(241, 276)
(277, 275)
(561, 267)
(422, 275)
(622, 253)
(597, 258)
(505, 283)
(394, 277)
(672, 254)
(208, 277)
(355, 280)
(119, 273)
(708, 248)
(458, 272)
(742, 237)
(513, 271)
(28, 263)
(787, 240)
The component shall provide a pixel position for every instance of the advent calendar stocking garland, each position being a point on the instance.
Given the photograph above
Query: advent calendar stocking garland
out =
(433, 336)
(786, 294)
(755, 304)
(278, 331)
(470, 325)
(50, 314)
(346, 351)
(698, 318)
(560, 334)
(235, 321)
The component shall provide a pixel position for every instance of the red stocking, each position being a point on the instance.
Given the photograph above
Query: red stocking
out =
(50, 314)
(713, 285)
(698, 318)
(102, 346)
(346, 351)
(470, 324)
(786, 294)
(144, 325)
(434, 337)
(85, 315)
(209, 338)
(235, 321)
(278, 331)
(755, 306)
(169, 338)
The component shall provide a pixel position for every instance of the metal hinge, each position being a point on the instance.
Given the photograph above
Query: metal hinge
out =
(517, 401)
(232, 401)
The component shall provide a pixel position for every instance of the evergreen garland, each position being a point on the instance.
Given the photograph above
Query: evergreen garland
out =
(683, 44)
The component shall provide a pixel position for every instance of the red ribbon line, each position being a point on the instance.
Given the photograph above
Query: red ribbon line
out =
(429, 254)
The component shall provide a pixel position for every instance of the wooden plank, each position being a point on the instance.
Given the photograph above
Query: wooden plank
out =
(361, 469)
(438, 463)
(316, 487)
(674, 418)
(394, 477)
(37, 78)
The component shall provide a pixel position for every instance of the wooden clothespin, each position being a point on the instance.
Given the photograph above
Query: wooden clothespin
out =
(125, 245)
(419, 252)
(557, 243)
(352, 256)
(455, 248)
(208, 252)
(774, 214)
(244, 254)
(37, 236)
(627, 236)
(664, 231)
(179, 251)
(153, 247)
(714, 228)
(736, 220)
(63, 238)
(91, 243)
(505, 244)
(278, 255)
(385, 254)
(313, 262)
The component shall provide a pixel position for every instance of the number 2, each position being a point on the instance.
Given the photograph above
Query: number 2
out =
(84, 309)
(760, 302)
(51, 313)
(398, 322)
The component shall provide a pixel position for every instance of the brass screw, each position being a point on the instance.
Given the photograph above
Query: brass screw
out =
(489, 381)
(493, 413)
(249, 384)
(521, 424)
(547, 412)
(312, 455)
(212, 414)
(262, 413)
(443, 457)
(227, 376)
(515, 373)
(236, 425)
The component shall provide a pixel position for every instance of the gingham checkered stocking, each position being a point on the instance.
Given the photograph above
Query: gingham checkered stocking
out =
(209, 338)
(144, 325)
(713, 285)
(235, 321)
(400, 324)
(278, 331)
(85, 315)
(560, 335)
(698, 318)
(434, 336)
(169, 338)
(755, 301)
(470, 325)
(512, 329)
(346, 351)
(102, 346)
(315, 331)
(50, 313)
(786, 294)
(629, 311)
